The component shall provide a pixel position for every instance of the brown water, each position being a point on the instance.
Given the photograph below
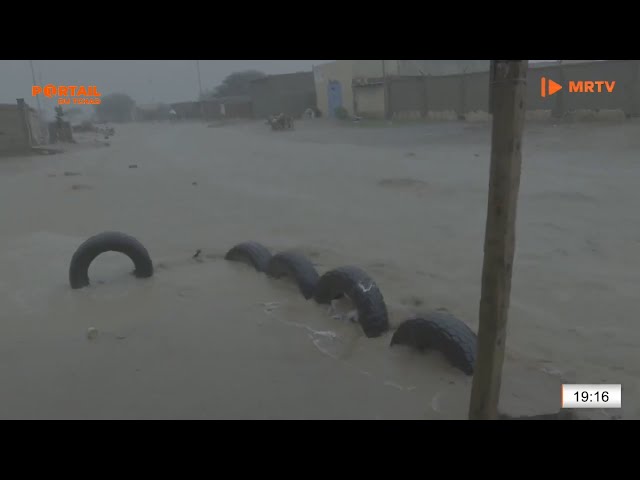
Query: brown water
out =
(213, 339)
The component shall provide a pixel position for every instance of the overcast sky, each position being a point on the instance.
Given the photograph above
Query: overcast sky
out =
(146, 81)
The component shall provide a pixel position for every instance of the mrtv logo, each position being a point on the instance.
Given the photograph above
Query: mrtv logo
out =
(549, 87)
(69, 94)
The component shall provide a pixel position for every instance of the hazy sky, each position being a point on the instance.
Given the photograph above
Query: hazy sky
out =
(146, 81)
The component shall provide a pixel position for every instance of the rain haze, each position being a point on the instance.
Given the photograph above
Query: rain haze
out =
(305, 239)
(146, 81)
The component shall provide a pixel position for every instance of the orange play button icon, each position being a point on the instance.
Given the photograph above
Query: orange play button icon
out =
(549, 89)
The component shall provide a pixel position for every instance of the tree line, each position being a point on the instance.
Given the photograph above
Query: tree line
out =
(118, 107)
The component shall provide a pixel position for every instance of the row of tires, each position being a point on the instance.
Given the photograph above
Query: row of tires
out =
(351, 282)
(437, 330)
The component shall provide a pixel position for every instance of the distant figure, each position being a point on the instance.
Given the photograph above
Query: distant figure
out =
(173, 115)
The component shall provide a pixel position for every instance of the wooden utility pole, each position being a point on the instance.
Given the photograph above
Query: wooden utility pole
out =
(492, 67)
(508, 94)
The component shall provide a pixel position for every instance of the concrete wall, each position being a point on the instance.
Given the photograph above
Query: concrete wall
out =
(468, 93)
(341, 71)
(407, 95)
(19, 129)
(441, 67)
(373, 68)
(36, 126)
(12, 133)
(369, 101)
(187, 110)
(291, 93)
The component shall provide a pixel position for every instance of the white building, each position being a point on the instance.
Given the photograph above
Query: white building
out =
(335, 81)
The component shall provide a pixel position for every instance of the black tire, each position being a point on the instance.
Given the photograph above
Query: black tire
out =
(251, 253)
(363, 292)
(108, 242)
(444, 332)
(297, 266)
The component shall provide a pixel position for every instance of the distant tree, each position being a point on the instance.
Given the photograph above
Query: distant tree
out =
(115, 107)
(235, 84)
(73, 112)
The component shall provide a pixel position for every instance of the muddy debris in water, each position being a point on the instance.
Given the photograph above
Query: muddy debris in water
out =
(72, 174)
(92, 333)
(133, 166)
(269, 307)
(80, 186)
(413, 301)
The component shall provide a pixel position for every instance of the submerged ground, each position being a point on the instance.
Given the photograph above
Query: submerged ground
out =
(211, 339)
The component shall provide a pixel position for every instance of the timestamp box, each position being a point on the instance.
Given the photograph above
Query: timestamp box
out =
(591, 396)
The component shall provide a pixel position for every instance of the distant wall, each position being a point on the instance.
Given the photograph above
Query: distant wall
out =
(15, 129)
(290, 93)
(187, 110)
(212, 109)
(441, 67)
(375, 68)
(369, 100)
(36, 127)
(466, 93)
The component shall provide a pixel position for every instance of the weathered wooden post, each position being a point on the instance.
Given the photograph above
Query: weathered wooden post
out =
(508, 94)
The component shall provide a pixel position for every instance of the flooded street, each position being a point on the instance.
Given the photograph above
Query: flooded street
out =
(207, 338)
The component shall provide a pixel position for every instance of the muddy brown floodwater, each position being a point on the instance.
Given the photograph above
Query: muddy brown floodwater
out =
(205, 338)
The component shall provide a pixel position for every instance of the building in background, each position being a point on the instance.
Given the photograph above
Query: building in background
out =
(371, 79)
(289, 93)
(152, 112)
(359, 85)
(188, 110)
(20, 128)
(333, 85)
(239, 106)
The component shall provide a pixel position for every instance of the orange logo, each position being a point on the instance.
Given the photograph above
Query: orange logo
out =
(551, 89)
(78, 95)
(591, 87)
(548, 87)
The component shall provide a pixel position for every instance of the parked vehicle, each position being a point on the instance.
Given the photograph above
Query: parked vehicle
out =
(280, 122)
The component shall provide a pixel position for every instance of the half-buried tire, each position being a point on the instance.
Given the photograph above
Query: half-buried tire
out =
(440, 331)
(362, 291)
(108, 242)
(251, 253)
(296, 266)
